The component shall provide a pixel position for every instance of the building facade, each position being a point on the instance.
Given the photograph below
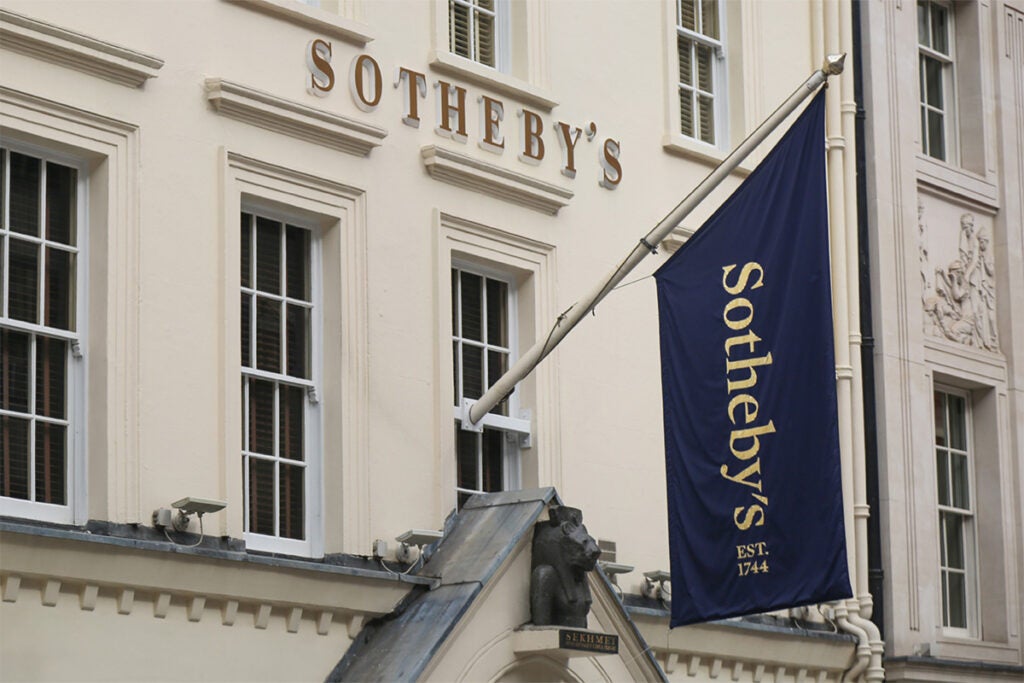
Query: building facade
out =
(259, 254)
(944, 103)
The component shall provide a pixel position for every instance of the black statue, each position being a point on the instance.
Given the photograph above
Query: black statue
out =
(563, 553)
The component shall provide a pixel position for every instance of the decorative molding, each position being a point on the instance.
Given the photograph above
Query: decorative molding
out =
(315, 19)
(118, 142)
(944, 180)
(161, 605)
(51, 593)
(11, 586)
(262, 616)
(274, 113)
(960, 302)
(465, 171)
(76, 50)
(88, 595)
(467, 69)
(229, 612)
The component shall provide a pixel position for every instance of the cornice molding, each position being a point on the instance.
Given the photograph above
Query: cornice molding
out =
(321, 21)
(76, 50)
(292, 118)
(465, 171)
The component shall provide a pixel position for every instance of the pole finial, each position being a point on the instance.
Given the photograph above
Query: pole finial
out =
(833, 64)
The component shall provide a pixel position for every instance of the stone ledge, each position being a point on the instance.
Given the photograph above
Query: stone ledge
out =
(464, 171)
(76, 50)
(320, 127)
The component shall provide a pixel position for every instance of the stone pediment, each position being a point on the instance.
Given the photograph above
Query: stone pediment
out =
(475, 625)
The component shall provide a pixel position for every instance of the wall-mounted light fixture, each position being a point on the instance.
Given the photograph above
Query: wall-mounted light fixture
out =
(657, 585)
(411, 543)
(186, 507)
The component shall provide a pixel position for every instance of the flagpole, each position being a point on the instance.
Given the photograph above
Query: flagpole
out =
(832, 65)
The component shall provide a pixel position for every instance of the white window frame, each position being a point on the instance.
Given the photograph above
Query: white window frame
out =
(312, 543)
(949, 105)
(75, 458)
(969, 523)
(516, 425)
(719, 89)
(502, 21)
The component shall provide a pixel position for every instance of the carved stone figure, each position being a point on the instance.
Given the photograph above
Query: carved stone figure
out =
(563, 553)
(960, 305)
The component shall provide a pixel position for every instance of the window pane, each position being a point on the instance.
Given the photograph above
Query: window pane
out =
(24, 281)
(940, 419)
(14, 370)
(942, 468)
(25, 180)
(959, 481)
(472, 371)
(466, 465)
(458, 29)
(298, 263)
(493, 460)
(686, 112)
(936, 136)
(485, 39)
(707, 119)
(59, 309)
(688, 14)
(685, 48)
(957, 600)
(957, 422)
(268, 334)
(704, 65)
(50, 458)
(261, 496)
(261, 416)
(954, 527)
(455, 372)
(298, 341)
(472, 307)
(51, 371)
(497, 364)
(455, 303)
(292, 486)
(14, 446)
(268, 256)
(940, 41)
(246, 330)
(497, 313)
(246, 251)
(291, 429)
(933, 83)
(60, 203)
(709, 17)
(922, 25)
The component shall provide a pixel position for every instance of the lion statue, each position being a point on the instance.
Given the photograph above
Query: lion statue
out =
(563, 553)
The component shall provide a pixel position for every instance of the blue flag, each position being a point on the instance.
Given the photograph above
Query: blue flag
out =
(748, 376)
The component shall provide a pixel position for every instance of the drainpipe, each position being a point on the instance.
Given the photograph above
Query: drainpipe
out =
(863, 644)
(876, 573)
(838, 32)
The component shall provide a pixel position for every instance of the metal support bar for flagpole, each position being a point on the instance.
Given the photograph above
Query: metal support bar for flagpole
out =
(833, 65)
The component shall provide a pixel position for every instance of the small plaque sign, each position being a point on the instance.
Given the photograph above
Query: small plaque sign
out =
(602, 643)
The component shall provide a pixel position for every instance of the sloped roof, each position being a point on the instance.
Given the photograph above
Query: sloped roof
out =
(400, 646)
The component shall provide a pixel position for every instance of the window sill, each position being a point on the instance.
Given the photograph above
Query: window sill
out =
(447, 63)
(77, 50)
(956, 181)
(680, 145)
(970, 648)
(321, 21)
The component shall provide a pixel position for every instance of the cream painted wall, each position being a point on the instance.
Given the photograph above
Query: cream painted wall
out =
(597, 423)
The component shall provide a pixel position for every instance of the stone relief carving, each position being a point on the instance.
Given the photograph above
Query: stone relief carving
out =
(960, 301)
